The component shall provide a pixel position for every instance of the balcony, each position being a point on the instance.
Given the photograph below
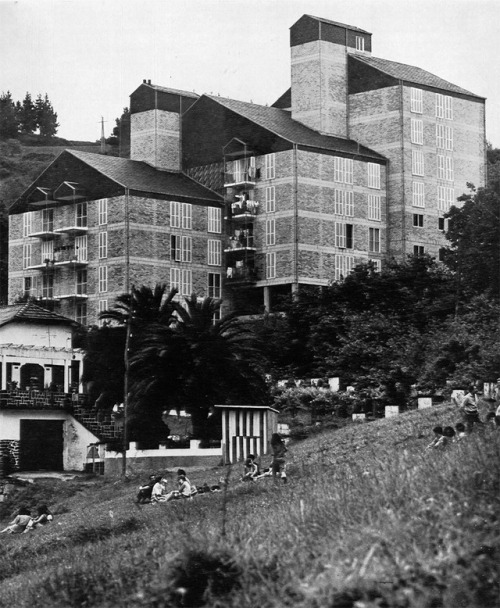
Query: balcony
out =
(72, 230)
(69, 259)
(241, 179)
(240, 274)
(242, 210)
(45, 234)
(240, 243)
(73, 296)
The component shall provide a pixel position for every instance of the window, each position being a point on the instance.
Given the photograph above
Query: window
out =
(416, 104)
(442, 254)
(103, 245)
(417, 131)
(343, 266)
(214, 253)
(343, 170)
(214, 220)
(418, 250)
(27, 223)
(26, 255)
(418, 220)
(180, 248)
(444, 106)
(47, 220)
(27, 286)
(103, 279)
(445, 169)
(417, 162)
(374, 207)
(373, 175)
(214, 285)
(81, 215)
(444, 137)
(175, 214)
(81, 248)
(271, 265)
(186, 282)
(47, 251)
(270, 166)
(360, 43)
(270, 232)
(187, 215)
(343, 235)
(175, 278)
(270, 199)
(81, 313)
(374, 240)
(441, 224)
(102, 306)
(418, 194)
(344, 202)
(377, 265)
(445, 198)
(48, 286)
(81, 281)
(102, 211)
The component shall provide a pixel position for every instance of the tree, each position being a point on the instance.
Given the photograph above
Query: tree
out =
(474, 250)
(46, 118)
(121, 134)
(27, 115)
(198, 362)
(8, 120)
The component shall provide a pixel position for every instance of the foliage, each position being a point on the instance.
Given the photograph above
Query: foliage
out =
(474, 251)
(27, 117)
(8, 121)
(121, 134)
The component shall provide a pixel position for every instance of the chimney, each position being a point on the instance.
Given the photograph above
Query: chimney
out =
(319, 53)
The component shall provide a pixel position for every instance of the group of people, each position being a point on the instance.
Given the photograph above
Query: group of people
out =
(155, 490)
(25, 522)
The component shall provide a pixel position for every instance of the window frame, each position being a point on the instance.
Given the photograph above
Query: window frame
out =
(214, 220)
(270, 231)
(103, 245)
(270, 165)
(214, 252)
(271, 265)
(270, 196)
(81, 215)
(373, 175)
(102, 212)
(416, 100)
(375, 207)
(102, 279)
(417, 131)
(417, 163)
(418, 220)
(214, 285)
(27, 223)
(418, 194)
(374, 240)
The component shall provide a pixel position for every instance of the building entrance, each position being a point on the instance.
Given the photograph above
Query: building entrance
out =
(41, 446)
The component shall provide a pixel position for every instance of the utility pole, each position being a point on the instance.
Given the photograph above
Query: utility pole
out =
(129, 329)
(103, 139)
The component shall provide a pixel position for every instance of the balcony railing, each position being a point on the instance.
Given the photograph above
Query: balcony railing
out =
(72, 230)
(242, 210)
(32, 399)
(240, 178)
(240, 242)
(241, 274)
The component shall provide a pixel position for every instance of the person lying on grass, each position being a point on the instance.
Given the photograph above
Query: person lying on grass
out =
(19, 523)
(44, 517)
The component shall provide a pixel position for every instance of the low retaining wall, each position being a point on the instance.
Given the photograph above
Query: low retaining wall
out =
(148, 461)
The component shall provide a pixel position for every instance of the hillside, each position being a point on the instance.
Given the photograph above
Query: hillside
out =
(368, 519)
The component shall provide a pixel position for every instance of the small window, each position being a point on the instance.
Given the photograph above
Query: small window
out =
(81, 215)
(418, 194)
(271, 265)
(441, 224)
(27, 286)
(214, 285)
(416, 102)
(48, 220)
(442, 254)
(418, 220)
(418, 250)
(27, 223)
(360, 43)
(374, 240)
(102, 205)
(81, 313)
(81, 281)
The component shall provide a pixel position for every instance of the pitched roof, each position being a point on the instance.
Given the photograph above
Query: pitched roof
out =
(280, 123)
(410, 73)
(29, 312)
(138, 175)
(348, 27)
(157, 87)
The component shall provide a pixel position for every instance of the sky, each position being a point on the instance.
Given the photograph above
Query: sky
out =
(90, 55)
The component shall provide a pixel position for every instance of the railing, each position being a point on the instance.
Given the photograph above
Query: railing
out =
(241, 274)
(240, 177)
(34, 399)
(240, 242)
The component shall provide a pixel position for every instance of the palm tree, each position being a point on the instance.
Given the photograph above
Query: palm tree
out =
(198, 361)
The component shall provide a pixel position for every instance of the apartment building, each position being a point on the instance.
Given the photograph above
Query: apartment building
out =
(359, 160)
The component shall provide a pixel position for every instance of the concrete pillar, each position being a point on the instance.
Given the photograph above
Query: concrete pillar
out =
(66, 376)
(267, 299)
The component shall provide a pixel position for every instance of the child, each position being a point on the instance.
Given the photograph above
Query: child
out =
(43, 518)
(460, 431)
(279, 450)
(19, 523)
(446, 439)
(438, 433)
(183, 491)
(157, 491)
(251, 469)
(470, 409)
(144, 494)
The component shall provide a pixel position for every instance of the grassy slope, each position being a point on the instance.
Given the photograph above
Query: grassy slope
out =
(367, 519)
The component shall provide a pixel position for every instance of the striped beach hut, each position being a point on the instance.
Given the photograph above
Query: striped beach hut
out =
(246, 429)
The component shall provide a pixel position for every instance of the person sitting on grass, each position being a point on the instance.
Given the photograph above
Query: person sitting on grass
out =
(157, 493)
(460, 431)
(44, 517)
(491, 420)
(183, 491)
(446, 439)
(438, 433)
(19, 523)
(251, 469)
(144, 495)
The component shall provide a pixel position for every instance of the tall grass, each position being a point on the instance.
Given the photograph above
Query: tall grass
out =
(368, 518)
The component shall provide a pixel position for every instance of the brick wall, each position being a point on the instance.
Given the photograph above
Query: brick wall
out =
(155, 139)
